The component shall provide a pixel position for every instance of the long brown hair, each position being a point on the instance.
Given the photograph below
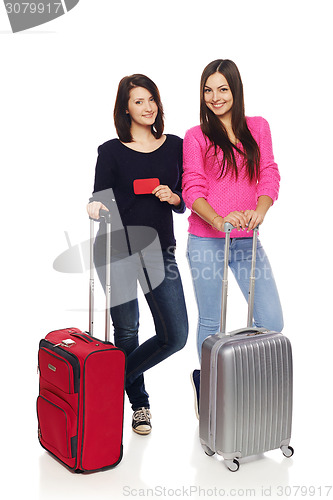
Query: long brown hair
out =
(214, 129)
(122, 120)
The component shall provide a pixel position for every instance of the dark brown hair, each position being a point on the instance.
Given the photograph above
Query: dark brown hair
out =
(122, 120)
(214, 129)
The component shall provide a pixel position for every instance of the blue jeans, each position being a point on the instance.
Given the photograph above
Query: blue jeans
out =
(167, 305)
(206, 260)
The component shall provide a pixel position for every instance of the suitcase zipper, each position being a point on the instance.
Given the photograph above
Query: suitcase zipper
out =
(62, 441)
(70, 357)
(75, 363)
(53, 367)
(212, 397)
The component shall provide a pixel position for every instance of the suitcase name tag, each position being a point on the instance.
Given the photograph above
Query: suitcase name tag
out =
(257, 333)
(66, 343)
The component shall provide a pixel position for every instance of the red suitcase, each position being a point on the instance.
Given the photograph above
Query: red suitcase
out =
(81, 390)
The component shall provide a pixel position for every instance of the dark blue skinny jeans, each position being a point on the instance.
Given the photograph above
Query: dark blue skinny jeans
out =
(167, 305)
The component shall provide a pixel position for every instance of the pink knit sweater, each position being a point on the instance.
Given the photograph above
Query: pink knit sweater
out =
(201, 178)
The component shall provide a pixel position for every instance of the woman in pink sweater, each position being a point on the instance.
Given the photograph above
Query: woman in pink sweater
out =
(229, 176)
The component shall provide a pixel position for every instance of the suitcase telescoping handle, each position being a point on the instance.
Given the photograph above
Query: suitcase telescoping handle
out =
(107, 217)
(227, 229)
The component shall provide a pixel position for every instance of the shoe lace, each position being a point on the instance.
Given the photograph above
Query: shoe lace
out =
(142, 415)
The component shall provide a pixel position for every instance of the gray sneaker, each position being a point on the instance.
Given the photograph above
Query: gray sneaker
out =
(141, 421)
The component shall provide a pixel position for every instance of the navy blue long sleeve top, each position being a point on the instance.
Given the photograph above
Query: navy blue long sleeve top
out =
(116, 169)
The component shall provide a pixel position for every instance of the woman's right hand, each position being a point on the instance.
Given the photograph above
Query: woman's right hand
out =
(93, 209)
(237, 219)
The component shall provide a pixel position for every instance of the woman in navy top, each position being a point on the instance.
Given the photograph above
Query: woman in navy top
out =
(138, 179)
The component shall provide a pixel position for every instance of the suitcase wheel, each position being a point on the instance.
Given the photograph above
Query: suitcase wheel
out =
(207, 450)
(233, 465)
(287, 451)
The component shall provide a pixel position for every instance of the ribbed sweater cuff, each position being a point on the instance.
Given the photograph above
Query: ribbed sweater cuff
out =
(268, 192)
(190, 198)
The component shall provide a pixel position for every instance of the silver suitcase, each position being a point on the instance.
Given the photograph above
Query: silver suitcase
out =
(246, 385)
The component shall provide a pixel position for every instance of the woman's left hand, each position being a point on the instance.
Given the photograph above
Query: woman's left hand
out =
(253, 219)
(164, 193)
(256, 217)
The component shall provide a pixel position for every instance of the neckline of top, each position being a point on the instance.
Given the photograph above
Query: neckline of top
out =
(145, 152)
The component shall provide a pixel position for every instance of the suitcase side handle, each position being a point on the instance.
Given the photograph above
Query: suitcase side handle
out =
(85, 338)
(249, 331)
(227, 229)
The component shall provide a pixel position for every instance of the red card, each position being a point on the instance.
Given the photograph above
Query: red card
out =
(145, 186)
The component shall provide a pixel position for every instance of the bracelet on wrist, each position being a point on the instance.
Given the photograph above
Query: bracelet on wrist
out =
(216, 216)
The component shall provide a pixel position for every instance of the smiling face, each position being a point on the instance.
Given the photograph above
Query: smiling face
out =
(142, 107)
(218, 96)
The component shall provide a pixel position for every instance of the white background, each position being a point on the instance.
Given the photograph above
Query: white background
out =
(58, 85)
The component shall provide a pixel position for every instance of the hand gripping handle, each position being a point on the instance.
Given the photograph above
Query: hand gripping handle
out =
(106, 215)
